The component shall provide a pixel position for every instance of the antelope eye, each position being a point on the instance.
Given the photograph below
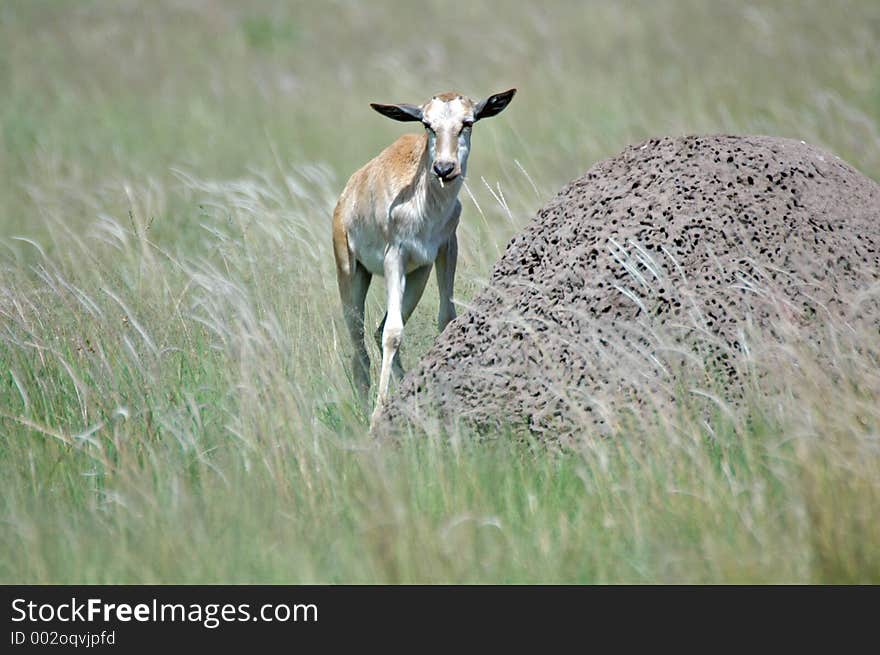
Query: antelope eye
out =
(429, 128)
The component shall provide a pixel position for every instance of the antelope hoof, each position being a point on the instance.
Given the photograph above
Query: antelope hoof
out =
(376, 418)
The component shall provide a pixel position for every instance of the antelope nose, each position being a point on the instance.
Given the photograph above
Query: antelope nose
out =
(443, 168)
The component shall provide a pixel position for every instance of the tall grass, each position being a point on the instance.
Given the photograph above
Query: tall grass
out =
(174, 400)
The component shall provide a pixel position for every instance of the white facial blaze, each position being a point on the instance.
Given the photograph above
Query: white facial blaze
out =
(449, 138)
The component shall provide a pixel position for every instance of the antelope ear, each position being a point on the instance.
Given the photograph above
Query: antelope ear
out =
(402, 112)
(493, 105)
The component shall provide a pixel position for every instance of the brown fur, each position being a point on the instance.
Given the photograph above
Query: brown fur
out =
(340, 244)
(450, 95)
(401, 159)
(398, 163)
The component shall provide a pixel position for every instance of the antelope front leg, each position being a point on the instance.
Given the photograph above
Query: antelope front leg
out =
(392, 333)
(415, 286)
(447, 258)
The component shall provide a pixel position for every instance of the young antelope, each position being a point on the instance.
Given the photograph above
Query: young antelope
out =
(396, 218)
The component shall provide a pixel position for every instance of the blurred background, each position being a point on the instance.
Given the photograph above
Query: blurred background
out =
(175, 403)
(96, 94)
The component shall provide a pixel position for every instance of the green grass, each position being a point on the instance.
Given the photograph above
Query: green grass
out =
(174, 401)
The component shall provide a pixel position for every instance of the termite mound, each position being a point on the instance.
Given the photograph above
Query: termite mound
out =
(655, 272)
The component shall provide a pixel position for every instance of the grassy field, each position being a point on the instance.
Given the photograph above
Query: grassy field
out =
(174, 400)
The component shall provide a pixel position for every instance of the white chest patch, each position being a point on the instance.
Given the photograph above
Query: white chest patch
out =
(419, 236)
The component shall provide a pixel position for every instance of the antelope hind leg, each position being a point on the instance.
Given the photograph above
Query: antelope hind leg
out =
(353, 293)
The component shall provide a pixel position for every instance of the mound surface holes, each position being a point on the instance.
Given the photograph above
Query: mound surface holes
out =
(666, 257)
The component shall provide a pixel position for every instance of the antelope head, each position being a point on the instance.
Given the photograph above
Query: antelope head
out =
(448, 119)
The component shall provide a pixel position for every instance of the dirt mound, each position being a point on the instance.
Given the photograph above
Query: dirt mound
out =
(673, 251)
